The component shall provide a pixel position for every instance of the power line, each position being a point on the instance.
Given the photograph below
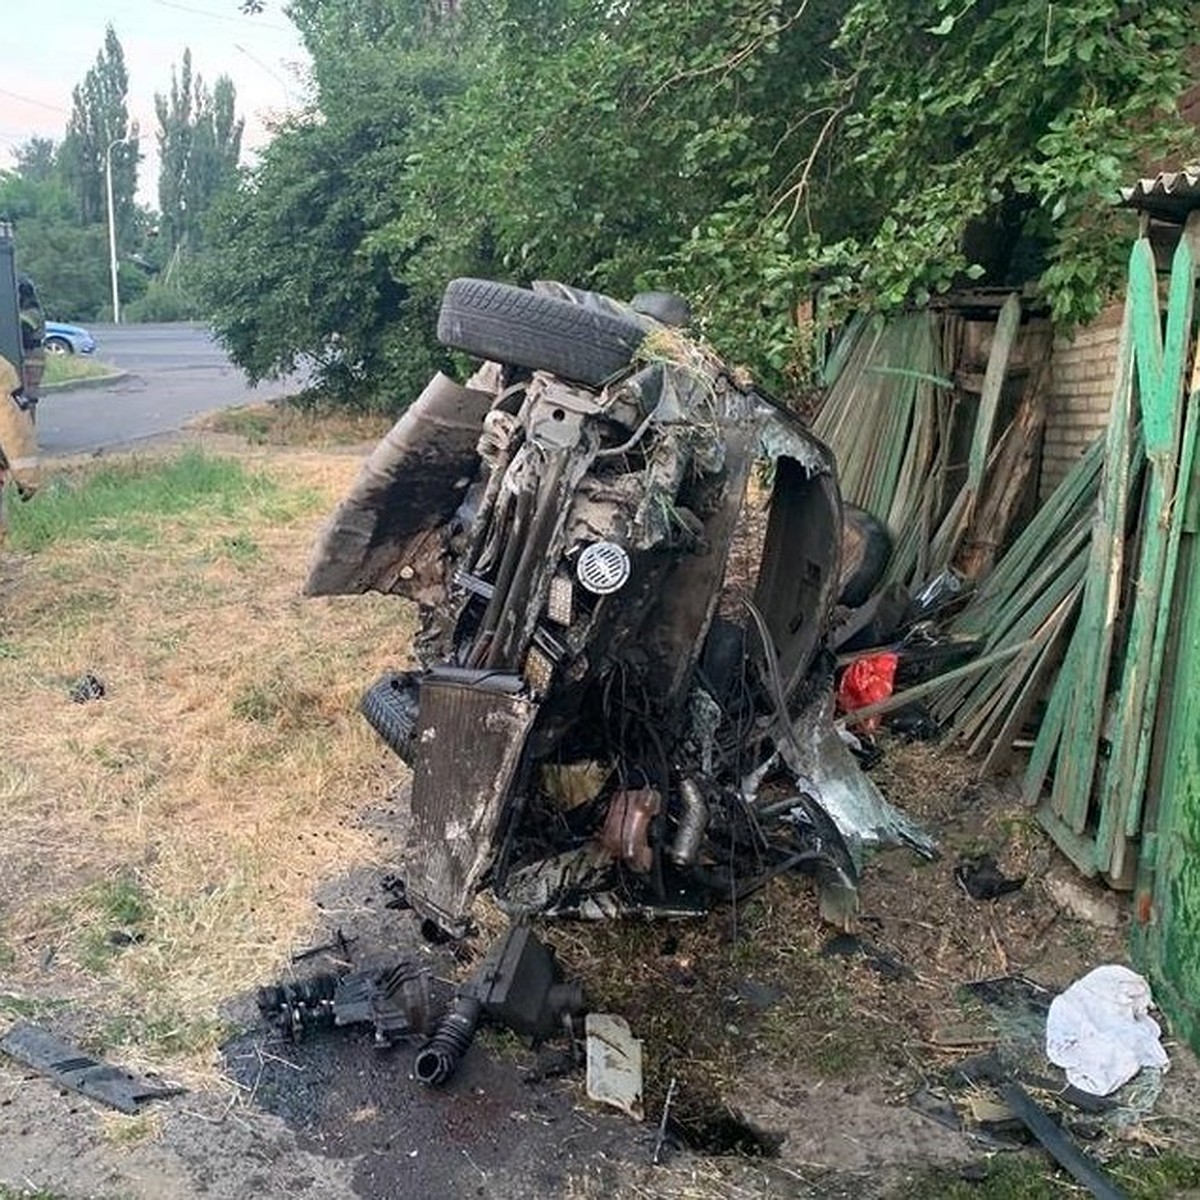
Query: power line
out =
(31, 100)
(203, 12)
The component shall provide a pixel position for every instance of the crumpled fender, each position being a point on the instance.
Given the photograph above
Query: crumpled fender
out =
(18, 434)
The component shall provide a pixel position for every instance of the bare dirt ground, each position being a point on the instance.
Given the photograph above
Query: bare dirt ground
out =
(167, 848)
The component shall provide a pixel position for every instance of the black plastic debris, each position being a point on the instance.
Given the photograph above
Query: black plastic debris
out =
(914, 723)
(519, 986)
(981, 878)
(69, 1067)
(397, 891)
(1081, 1167)
(849, 945)
(87, 687)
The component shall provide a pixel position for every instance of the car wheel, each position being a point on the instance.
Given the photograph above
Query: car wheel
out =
(57, 345)
(866, 549)
(507, 324)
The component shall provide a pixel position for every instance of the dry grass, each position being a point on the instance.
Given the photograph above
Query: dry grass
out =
(287, 424)
(163, 844)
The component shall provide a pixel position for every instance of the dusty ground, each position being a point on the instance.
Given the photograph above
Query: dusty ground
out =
(168, 847)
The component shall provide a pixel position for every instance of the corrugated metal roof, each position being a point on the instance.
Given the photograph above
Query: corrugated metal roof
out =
(1169, 196)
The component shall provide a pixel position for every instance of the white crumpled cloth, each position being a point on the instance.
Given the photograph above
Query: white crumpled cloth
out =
(1101, 1032)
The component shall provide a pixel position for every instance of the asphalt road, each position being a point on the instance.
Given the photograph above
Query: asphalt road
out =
(175, 373)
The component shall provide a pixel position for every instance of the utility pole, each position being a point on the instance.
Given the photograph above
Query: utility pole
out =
(112, 218)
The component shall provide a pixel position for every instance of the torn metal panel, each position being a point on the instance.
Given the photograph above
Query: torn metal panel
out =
(826, 770)
(381, 537)
(798, 579)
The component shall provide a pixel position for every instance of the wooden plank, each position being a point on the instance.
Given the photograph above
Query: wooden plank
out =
(1008, 324)
(1046, 745)
(1035, 687)
(1082, 717)
(900, 699)
(1007, 479)
(1128, 769)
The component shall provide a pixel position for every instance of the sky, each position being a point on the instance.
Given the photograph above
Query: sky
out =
(48, 51)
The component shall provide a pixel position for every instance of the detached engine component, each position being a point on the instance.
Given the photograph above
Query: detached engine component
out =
(395, 1000)
(518, 986)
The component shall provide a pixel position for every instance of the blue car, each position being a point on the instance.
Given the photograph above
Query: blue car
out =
(68, 339)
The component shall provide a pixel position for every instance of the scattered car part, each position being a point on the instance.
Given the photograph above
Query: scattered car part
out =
(668, 308)
(626, 830)
(339, 942)
(395, 1000)
(69, 1067)
(390, 706)
(438, 1059)
(693, 822)
(603, 568)
(518, 985)
(661, 1139)
(87, 687)
(981, 878)
(1080, 1166)
(614, 1063)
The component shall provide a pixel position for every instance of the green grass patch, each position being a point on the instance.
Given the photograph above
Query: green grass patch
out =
(125, 501)
(67, 368)
(28, 1008)
(119, 910)
(1032, 1176)
(254, 424)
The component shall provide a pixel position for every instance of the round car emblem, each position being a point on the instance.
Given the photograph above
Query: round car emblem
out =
(603, 568)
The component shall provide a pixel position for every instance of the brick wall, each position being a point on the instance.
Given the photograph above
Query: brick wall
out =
(1081, 380)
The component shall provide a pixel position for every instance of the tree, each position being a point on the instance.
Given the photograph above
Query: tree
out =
(744, 152)
(199, 141)
(99, 117)
(290, 272)
(36, 160)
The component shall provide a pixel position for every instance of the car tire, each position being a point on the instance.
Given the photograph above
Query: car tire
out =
(500, 323)
(57, 345)
(866, 550)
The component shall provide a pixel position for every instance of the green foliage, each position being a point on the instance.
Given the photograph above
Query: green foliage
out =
(99, 117)
(163, 300)
(745, 153)
(292, 276)
(199, 141)
(117, 502)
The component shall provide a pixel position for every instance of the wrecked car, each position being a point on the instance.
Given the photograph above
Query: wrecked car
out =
(604, 717)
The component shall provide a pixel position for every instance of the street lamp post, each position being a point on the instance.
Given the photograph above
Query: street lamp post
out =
(112, 219)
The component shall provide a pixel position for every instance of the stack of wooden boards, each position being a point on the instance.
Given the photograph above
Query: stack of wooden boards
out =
(1072, 607)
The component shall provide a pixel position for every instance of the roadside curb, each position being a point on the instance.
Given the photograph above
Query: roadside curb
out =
(78, 385)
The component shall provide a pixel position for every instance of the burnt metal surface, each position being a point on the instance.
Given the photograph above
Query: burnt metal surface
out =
(382, 535)
(467, 747)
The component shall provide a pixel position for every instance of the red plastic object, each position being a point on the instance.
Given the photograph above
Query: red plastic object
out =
(867, 681)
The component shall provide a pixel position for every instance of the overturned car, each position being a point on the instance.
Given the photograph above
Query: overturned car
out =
(604, 717)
